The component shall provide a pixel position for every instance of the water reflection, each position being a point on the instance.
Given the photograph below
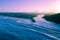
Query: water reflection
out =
(23, 29)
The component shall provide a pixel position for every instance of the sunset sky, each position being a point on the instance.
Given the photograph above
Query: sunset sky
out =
(29, 5)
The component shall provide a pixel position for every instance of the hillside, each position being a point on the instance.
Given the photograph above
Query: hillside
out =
(53, 18)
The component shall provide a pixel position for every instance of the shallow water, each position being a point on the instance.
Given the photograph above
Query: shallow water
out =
(23, 29)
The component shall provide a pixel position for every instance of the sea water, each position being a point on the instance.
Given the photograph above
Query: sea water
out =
(24, 29)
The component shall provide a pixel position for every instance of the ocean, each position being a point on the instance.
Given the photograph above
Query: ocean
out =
(24, 29)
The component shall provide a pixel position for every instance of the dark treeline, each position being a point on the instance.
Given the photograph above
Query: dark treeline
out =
(53, 17)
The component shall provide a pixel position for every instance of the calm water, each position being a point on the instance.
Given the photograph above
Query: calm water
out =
(23, 29)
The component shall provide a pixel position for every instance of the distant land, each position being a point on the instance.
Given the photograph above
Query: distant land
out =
(53, 17)
(19, 15)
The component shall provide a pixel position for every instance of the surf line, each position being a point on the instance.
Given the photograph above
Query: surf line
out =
(51, 36)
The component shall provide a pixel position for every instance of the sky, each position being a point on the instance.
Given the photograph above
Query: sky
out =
(29, 5)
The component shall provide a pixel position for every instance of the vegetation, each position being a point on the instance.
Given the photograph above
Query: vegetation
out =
(53, 18)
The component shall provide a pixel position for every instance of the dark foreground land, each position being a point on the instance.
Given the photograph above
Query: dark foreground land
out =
(53, 18)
